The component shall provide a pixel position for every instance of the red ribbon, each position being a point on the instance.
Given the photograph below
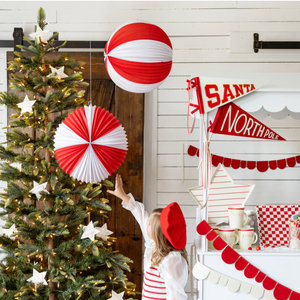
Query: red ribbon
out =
(194, 83)
(188, 112)
(210, 126)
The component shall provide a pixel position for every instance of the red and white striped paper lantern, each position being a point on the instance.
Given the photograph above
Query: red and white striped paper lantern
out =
(90, 144)
(138, 57)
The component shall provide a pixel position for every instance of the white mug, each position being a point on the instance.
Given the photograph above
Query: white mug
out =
(228, 235)
(210, 243)
(237, 217)
(247, 237)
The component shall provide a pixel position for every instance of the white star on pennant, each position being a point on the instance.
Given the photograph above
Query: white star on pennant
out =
(26, 105)
(89, 231)
(38, 188)
(38, 277)
(103, 232)
(8, 232)
(223, 193)
(116, 296)
(40, 34)
(58, 73)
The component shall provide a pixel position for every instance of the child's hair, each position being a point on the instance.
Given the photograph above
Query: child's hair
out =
(162, 246)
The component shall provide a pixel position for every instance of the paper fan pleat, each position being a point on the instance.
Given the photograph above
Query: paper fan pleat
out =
(116, 138)
(136, 31)
(103, 123)
(89, 114)
(145, 51)
(65, 137)
(110, 157)
(76, 153)
(90, 168)
(128, 85)
(77, 122)
(141, 72)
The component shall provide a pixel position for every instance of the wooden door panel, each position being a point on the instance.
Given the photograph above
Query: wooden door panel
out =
(130, 112)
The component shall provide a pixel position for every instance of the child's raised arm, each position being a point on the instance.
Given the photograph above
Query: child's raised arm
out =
(119, 191)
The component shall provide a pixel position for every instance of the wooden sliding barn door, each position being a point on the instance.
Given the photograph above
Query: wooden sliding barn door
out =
(129, 110)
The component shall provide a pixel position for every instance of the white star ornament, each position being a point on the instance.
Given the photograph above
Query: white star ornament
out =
(40, 34)
(58, 73)
(8, 232)
(26, 105)
(89, 232)
(38, 278)
(223, 193)
(38, 188)
(116, 296)
(103, 232)
(17, 166)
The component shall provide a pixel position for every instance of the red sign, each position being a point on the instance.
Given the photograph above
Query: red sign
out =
(232, 120)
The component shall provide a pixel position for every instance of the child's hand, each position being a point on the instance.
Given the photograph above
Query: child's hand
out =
(119, 191)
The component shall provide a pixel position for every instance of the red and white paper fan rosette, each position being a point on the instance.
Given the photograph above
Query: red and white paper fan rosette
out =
(90, 144)
(138, 57)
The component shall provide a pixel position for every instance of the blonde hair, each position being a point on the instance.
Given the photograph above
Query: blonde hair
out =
(162, 246)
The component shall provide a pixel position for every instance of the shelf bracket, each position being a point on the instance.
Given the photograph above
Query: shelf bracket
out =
(257, 45)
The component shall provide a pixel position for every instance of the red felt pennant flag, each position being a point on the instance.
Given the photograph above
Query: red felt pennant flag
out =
(232, 120)
(260, 277)
(211, 235)
(294, 296)
(250, 271)
(192, 151)
(219, 244)
(203, 228)
(229, 255)
(241, 263)
(210, 93)
(281, 292)
(269, 283)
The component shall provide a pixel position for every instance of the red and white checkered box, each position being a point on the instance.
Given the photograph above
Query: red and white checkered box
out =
(272, 221)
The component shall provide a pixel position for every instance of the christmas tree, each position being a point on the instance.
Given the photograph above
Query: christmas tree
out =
(52, 250)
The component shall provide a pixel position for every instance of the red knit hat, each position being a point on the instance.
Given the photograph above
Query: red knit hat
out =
(173, 225)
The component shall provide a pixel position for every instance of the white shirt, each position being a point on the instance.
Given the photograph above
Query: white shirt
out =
(173, 268)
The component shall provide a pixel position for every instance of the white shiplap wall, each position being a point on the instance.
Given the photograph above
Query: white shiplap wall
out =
(201, 33)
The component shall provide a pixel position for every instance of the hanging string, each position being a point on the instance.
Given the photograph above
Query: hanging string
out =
(90, 101)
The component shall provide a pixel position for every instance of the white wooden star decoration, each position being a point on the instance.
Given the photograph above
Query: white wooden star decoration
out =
(40, 34)
(8, 232)
(58, 73)
(38, 277)
(223, 193)
(116, 296)
(17, 166)
(38, 188)
(89, 231)
(103, 232)
(26, 105)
